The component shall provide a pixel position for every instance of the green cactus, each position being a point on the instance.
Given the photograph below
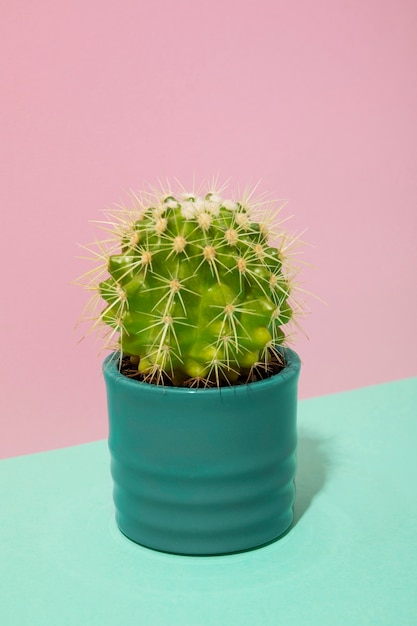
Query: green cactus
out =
(196, 291)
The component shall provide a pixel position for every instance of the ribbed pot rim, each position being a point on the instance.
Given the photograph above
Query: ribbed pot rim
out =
(292, 369)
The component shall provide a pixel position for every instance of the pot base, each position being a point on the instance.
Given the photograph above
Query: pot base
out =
(208, 554)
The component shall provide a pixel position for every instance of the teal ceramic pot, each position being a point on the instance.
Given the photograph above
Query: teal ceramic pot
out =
(203, 471)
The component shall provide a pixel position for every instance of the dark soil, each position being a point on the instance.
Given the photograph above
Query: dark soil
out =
(260, 372)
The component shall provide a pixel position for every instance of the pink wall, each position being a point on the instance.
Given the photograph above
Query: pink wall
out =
(318, 99)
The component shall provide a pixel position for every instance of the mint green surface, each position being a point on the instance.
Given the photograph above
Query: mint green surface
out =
(350, 558)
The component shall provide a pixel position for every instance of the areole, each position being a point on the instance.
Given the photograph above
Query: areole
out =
(203, 471)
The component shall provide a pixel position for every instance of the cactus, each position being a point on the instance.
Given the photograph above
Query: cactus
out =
(197, 288)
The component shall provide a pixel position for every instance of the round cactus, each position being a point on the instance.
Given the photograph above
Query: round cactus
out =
(198, 288)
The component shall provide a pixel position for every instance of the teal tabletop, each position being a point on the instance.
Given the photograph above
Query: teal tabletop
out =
(350, 557)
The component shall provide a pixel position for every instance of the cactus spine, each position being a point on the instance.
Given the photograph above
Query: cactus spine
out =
(196, 291)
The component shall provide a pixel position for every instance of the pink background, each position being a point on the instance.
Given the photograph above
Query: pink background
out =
(317, 99)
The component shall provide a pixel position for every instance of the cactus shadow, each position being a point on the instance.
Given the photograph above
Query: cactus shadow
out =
(312, 472)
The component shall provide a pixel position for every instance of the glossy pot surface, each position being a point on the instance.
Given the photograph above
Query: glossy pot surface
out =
(203, 471)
